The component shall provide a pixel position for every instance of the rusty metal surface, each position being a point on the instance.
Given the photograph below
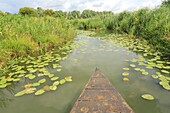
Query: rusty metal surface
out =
(99, 96)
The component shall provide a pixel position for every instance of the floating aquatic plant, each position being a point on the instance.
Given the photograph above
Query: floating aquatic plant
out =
(125, 79)
(54, 78)
(126, 69)
(39, 92)
(147, 97)
(125, 73)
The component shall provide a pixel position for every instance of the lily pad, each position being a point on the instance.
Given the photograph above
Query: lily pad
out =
(30, 90)
(68, 78)
(166, 86)
(54, 78)
(20, 72)
(134, 60)
(126, 69)
(50, 75)
(16, 79)
(155, 76)
(149, 67)
(4, 80)
(125, 74)
(32, 77)
(53, 87)
(42, 81)
(28, 75)
(46, 73)
(39, 92)
(132, 65)
(125, 79)
(166, 67)
(147, 97)
(21, 75)
(31, 70)
(62, 81)
(11, 74)
(158, 66)
(141, 63)
(46, 88)
(3, 85)
(56, 83)
(35, 84)
(20, 93)
(137, 69)
(27, 86)
(40, 75)
(9, 79)
(164, 71)
(145, 73)
(58, 70)
(55, 65)
(158, 73)
(160, 62)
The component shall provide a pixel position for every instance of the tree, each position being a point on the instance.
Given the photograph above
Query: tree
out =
(60, 14)
(7, 13)
(49, 12)
(40, 11)
(87, 13)
(75, 14)
(28, 11)
(166, 3)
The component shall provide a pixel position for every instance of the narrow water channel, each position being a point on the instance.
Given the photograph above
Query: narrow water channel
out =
(80, 64)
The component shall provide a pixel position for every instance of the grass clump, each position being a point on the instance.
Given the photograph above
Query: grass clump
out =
(24, 35)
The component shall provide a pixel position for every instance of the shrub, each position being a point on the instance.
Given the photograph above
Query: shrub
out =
(28, 11)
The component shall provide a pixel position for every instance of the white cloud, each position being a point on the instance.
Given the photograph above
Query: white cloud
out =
(66, 5)
(69, 5)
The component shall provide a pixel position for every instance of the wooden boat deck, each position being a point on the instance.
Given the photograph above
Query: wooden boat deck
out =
(99, 96)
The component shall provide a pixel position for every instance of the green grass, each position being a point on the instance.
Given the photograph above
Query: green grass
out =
(23, 35)
(152, 25)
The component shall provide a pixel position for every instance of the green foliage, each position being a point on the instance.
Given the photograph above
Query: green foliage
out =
(166, 3)
(87, 14)
(43, 32)
(40, 11)
(75, 14)
(23, 35)
(60, 14)
(153, 25)
(93, 23)
(28, 11)
(1, 13)
(49, 12)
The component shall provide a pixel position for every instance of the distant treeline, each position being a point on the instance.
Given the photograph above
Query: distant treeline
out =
(39, 12)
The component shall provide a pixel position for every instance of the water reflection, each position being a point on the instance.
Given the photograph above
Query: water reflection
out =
(6, 96)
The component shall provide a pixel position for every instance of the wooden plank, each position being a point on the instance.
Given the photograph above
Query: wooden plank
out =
(99, 96)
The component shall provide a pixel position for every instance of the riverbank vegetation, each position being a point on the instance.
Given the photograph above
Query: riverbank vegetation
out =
(152, 25)
(24, 35)
(33, 31)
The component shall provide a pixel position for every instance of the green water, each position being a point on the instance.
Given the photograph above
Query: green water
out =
(81, 63)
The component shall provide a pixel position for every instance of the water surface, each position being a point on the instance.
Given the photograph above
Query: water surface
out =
(81, 64)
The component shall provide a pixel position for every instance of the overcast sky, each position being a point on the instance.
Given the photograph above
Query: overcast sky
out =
(69, 5)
